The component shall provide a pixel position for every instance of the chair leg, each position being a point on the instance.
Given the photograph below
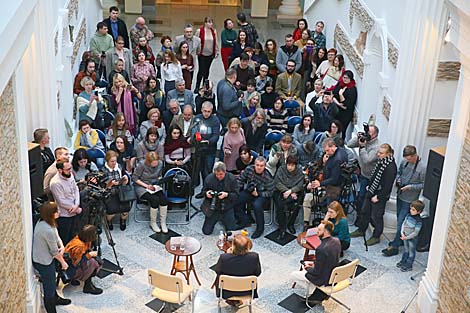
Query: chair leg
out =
(341, 303)
(219, 309)
(162, 308)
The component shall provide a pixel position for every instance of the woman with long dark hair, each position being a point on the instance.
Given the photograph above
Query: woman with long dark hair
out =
(187, 63)
(270, 48)
(302, 25)
(269, 96)
(152, 97)
(304, 131)
(345, 97)
(126, 153)
(228, 37)
(238, 46)
(81, 166)
(209, 50)
(177, 150)
(118, 127)
(259, 57)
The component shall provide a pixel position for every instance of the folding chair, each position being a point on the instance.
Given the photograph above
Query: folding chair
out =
(235, 283)
(178, 200)
(271, 138)
(170, 289)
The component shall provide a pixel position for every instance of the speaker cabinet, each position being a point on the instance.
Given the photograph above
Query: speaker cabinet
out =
(36, 175)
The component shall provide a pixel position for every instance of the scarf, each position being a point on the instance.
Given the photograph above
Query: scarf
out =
(202, 32)
(128, 109)
(171, 145)
(377, 173)
(150, 146)
(351, 84)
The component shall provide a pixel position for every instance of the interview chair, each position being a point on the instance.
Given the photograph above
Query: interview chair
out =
(341, 278)
(235, 283)
(271, 138)
(186, 199)
(170, 289)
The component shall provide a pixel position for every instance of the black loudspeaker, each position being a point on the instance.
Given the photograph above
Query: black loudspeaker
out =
(36, 175)
(432, 183)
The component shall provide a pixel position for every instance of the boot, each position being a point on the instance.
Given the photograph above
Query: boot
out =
(90, 288)
(61, 301)
(153, 220)
(49, 305)
(163, 212)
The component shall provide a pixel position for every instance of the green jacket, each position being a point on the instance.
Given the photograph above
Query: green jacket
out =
(100, 43)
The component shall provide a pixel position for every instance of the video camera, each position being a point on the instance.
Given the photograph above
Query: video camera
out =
(312, 171)
(364, 136)
(348, 169)
(96, 186)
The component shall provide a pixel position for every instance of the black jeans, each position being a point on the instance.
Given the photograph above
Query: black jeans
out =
(286, 210)
(258, 208)
(374, 213)
(67, 227)
(226, 217)
(155, 199)
(204, 67)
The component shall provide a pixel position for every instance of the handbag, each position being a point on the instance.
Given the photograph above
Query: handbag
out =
(127, 193)
(180, 186)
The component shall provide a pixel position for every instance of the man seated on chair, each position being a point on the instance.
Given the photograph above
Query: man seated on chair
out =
(326, 258)
(238, 261)
(257, 186)
(289, 85)
(220, 191)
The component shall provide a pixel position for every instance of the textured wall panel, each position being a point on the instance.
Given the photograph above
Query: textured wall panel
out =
(439, 127)
(448, 70)
(12, 274)
(454, 293)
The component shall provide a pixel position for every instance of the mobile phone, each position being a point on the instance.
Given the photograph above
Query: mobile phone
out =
(96, 93)
(302, 262)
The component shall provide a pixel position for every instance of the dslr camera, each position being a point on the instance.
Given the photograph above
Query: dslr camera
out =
(364, 136)
(215, 200)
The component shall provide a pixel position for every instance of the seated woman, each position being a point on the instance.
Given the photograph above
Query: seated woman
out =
(269, 96)
(122, 100)
(304, 131)
(253, 103)
(151, 143)
(279, 153)
(48, 246)
(234, 138)
(277, 116)
(289, 186)
(115, 176)
(154, 120)
(82, 263)
(145, 175)
(90, 105)
(152, 98)
(118, 69)
(335, 214)
(141, 71)
(119, 127)
(88, 139)
(81, 166)
(245, 158)
(334, 132)
(259, 57)
(126, 153)
(240, 262)
(177, 150)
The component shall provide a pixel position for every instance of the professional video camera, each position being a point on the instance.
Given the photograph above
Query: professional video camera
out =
(215, 200)
(364, 136)
(312, 171)
(348, 169)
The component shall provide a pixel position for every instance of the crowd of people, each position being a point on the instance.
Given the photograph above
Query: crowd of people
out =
(161, 120)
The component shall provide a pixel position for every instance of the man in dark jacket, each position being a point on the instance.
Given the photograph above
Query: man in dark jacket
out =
(323, 113)
(255, 130)
(378, 193)
(116, 26)
(326, 258)
(220, 190)
(238, 261)
(229, 103)
(288, 52)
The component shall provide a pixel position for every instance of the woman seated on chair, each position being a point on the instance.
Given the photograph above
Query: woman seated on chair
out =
(126, 153)
(82, 263)
(81, 166)
(304, 131)
(334, 131)
(89, 139)
(152, 142)
(289, 186)
(145, 175)
(119, 127)
(245, 158)
(115, 176)
(277, 116)
(279, 153)
(239, 261)
(335, 214)
(154, 120)
(89, 104)
(177, 150)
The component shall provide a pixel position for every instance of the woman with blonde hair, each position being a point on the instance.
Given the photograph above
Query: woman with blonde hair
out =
(89, 104)
(118, 127)
(253, 103)
(335, 214)
(154, 120)
(234, 138)
(144, 178)
(122, 94)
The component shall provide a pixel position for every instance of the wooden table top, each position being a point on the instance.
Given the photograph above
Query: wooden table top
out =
(192, 246)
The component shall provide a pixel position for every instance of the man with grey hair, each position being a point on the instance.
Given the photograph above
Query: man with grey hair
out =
(140, 30)
(220, 191)
(255, 129)
(181, 94)
(194, 43)
(257, 187)
(262, 79)
(174, 109)
(185, 120)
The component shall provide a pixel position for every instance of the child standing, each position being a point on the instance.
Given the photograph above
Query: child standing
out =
(409, 234)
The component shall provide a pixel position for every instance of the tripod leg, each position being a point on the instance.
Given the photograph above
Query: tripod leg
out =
(111, 242)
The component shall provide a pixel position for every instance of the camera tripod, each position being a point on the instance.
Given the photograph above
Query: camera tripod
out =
(97, 217)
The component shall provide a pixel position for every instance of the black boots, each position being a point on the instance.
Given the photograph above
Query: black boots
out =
(90, 288)
(49, 305)
(61, 301)
(122, 224)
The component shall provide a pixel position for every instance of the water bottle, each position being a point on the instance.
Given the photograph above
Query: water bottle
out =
(183, 243)
(221, 241)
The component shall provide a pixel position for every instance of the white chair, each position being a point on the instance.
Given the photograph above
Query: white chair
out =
(341, 278)
(170, 289)
(235, 283)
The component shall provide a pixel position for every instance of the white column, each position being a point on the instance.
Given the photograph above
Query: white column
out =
(417, 64)
(289, 9)
(429, 286)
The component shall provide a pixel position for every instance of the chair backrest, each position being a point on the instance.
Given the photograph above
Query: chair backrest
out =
(254, 154)
(273, 136)
(102, 136)
(344, 272)
(108, 118)
(292, 104)
(166, 282)
(317, 137)
(176, 171)
(235, 283)
(294, 120)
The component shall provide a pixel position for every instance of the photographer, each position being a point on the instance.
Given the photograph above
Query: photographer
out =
(409, 183)
(378, 193)
(48, 246)
(220, 190)
(368, 144)
(258, 185)
(82, 263)
(314, 171)
(289, 185)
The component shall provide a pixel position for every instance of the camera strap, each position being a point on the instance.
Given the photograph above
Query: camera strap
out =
(414, 168)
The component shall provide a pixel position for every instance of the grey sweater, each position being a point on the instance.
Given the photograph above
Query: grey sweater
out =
(147, 174)
(414, 178)
(367, 155)
(46, 243)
